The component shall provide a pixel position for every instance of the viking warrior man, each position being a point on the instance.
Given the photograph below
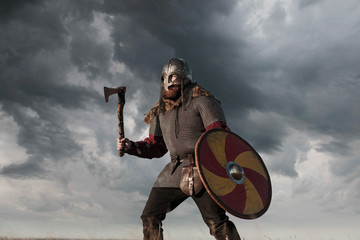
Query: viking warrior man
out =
(183, 113)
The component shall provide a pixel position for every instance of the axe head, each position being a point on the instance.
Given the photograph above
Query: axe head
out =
(119, 90)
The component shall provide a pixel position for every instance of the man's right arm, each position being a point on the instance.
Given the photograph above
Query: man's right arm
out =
(150, 147)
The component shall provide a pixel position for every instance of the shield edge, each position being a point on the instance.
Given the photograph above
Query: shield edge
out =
(213, 196)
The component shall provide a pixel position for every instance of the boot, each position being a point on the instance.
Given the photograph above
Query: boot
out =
(152, 231)
(226, 231)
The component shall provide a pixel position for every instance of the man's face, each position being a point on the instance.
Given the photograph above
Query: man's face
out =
(173, 86)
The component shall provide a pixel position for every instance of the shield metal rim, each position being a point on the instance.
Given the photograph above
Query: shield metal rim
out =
(213, 195)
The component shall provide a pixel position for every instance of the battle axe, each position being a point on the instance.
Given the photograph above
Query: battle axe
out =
(121, 97)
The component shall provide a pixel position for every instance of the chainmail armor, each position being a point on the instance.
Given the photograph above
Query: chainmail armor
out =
(180, 140)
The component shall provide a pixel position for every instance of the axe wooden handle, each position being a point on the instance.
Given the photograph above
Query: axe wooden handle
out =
(121, 102)
(121, 123)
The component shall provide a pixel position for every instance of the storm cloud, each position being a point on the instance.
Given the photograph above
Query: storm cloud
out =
(286, 73)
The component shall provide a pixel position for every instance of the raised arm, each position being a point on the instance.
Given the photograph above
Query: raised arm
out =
(151, 147)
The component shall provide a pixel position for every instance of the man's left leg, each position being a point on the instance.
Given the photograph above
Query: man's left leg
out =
(214, 216)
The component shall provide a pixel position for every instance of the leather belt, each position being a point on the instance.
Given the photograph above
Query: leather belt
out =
(179, 160)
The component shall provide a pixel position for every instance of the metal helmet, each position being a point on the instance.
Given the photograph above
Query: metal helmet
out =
(175, 70)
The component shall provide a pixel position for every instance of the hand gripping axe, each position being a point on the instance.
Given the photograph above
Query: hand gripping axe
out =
(121, 97)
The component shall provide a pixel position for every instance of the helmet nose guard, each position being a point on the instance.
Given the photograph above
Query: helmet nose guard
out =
(175, 66)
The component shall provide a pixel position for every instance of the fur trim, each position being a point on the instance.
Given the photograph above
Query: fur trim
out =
(200, 91)
(197, 91)
(170, 104)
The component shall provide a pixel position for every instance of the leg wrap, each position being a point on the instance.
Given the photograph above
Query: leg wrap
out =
(224, 231)
(215, 218)
(152, 228)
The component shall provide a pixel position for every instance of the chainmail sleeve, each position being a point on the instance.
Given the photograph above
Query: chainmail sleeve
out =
(210, 110)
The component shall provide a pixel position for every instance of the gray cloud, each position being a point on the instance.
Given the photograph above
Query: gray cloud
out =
(306, 3)
(145, 34)
(338, 147)
(35, 64)
(312, 84)
(10, 9)
(29, 169)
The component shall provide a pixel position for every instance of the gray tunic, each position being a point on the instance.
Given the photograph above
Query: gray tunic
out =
(181, 129)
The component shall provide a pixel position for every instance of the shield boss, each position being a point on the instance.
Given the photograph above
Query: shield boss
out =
(233, 173)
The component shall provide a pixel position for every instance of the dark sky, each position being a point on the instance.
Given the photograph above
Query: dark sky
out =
(287, 74)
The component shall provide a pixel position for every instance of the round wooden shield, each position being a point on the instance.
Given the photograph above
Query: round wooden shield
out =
(233, 173)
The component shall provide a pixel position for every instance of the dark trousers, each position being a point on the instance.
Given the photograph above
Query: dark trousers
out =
(164, 200)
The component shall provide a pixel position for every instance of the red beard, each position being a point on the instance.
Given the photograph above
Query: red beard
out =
(172, 93)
